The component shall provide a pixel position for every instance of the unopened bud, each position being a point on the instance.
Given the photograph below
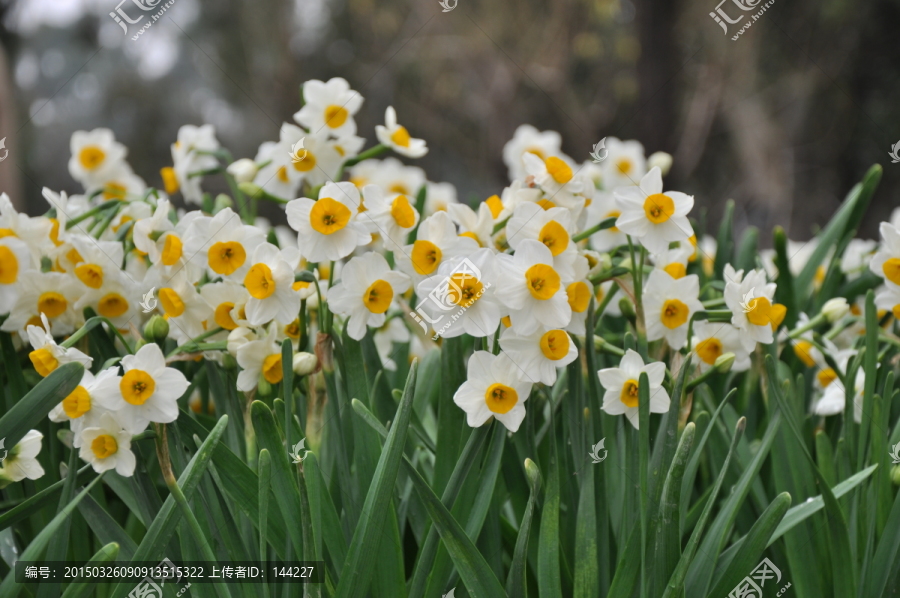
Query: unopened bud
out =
(157, 329)
(661, 159)
(243, 170)
(835, 309)
(250, 189)
(895, 475)
(222, 202)
(534, 475)
(724, 362)
(627, 309)
(65, 436)
(305, 363)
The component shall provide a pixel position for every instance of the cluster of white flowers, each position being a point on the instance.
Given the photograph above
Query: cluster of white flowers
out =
(520, 270)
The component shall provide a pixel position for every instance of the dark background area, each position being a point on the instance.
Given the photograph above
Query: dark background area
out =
(784, 120)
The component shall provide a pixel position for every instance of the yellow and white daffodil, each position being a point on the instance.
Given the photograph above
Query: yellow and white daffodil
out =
(396, 137)
(539, 354)
(668, 306)
(79, 408)
(712, 340)
(329, 107)
(551, 227)
(107, 445)
(94, 154)
(654, 217)
(622, 386)
(270, 282)
(392, 217)
(886, 261)
(328, 228)
(191, 154)
(223, 244)
(15, 260)
(554, 174)
(604, 206)
(753, 311)
(21, 460)
(51, 294)
(366, 290)
(228, 301)
(494, 387)
(47, 355)
(624, 165)
(436, 241)
(258, 357)
(532, 289)
(528, 140)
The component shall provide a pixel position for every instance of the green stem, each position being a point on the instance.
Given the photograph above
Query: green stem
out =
(90, 325)
(194, 342)
(813, 322)
(372, 152)
(608, 223)
(92, 212)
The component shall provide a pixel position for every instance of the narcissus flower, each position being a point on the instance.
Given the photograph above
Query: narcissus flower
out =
(532, 289)
(622, 387)
(528, 139)
(494, 387)
(148, 391)
(396, 137)
(228, 301)
(79, 408)
(753, 312)
(328, 228)
(50, 293)
(15, 260)
(886, 262)
(270, 282)
(108, 446)
(191, 154)
(223, 244)
(712, 340)
(654, 217)
(259, 357)
(625, 164)
(367, 289)
(551, 227)
(47, 355)
(553, 174)
(21, 460)
(115, 300)
(668, 306)
(181, 303)
(94, 153)
(436, 241)
(604, 206)
(390, 216)
(329, 106)
(540, 353)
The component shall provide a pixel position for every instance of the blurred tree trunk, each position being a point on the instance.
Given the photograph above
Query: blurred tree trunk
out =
(10, 181)
(658, 72)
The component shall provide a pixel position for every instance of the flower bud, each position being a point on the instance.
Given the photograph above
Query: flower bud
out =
(243, 170)
(661, 159)
(895, 475)
(835, 309)
(305, 363)
(238, 337)
(157, 329)
(250, 189)
(724, 362)
(534, 475)
(222, 202)
(627, 308)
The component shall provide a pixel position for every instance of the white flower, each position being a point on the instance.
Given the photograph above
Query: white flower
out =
(834, 399)
(115, 300)
(397, 137)
(753, 312)
(156, 235)
(239, 337)
(554, 174)
(662, 160)
(622, 383)
(395, 331)
(108, 446)
(222, 244)
(654, 217)
(604, 206)
(97, 261)
(304, 363)
(15, 260)
(228, 301)
(674, 261)
(21, 461)
(35, 232)
(47, 355)
(328, 229)
(495, 387)
(888, 298)
(390, 174)
(857, 256)
(886, 262)
(367, 288)
(668, 306)
(539, 354)
(551, 227)
(243, 170)
(183, 306)
(835, 309)
(262, 356)
(436, 241)
(270, 282)
(527, 139)
(624, 165)
(148, 391)
(477, 226)
(438, 197)
(50, 293)
(532, 289)
(329, 106)
(712, 340)
(391, 217)
(80, 408)
(318, 161)
(190, 153)
(94, 153)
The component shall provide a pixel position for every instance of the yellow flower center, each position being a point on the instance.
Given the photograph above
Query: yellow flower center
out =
(579, 295)
(536, 151)
(659, 208)
(495, 204)
(169, 179)
(226, 257)
(223, 317)
(896, 311)
(559, 170)
(470, 235)
(329, 216)
(613, 214)
(676, 270)
(52, 304)
(426, 256)
(891, 269)
(113, 190)
(803, 351)
(282, 175)
(137, 386)
(112, 305)
(464, 289)
(709, 350)
(543, 281)
(555, 344)
(90, 274)
(629, 394)
(401, 136)
(307, 163)
(545, 204)
(172, 250)
(7, 232)
(91, 157)
(293, 329)
(378, 297)
(44, 361)
(500, 398)
(54, 232)
(171, 302)
(554, 236)
(77, 403)
(507, 321)
(104, 446)
(764, 313)
(73, 256)
(259, 281)
(624, 165)
(826, 377)
(403, 213)
(271, 369)
(674, 313)
(335, 116)
(9, 266)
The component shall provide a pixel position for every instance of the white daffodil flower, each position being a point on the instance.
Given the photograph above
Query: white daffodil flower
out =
(622, 387)
(532, 289)
(668, 306)
(395, 136)
(540, 353)
(107, 445)
(495, 387)
(329, 106)
(47, 355)
(654, 217)
(328, 229)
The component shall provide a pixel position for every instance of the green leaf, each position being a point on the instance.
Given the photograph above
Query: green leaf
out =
(33, 504)
(265, 481)
(747, 250)
(363, 554)
(516, 581)
(33, 408)
(725, 240)
(107, 529)
(85, 589)
(548, 576)
(326, 518)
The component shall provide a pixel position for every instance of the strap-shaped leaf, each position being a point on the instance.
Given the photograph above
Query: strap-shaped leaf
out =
(33, 408)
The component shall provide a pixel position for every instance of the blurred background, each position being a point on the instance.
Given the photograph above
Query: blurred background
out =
(784, 120)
